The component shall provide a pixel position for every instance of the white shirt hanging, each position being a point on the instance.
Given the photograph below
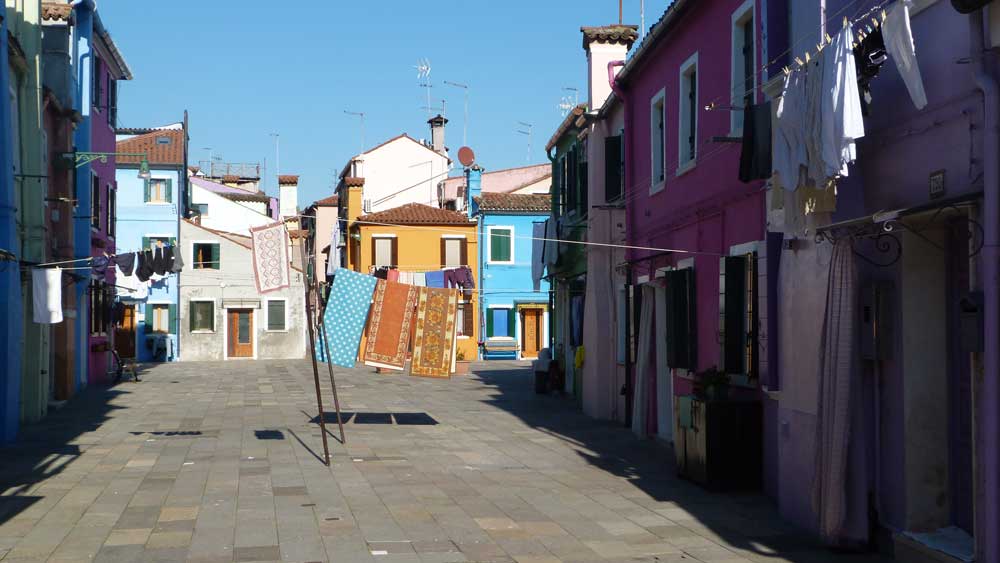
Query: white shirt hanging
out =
(899, 45)
(789, 151)
(46, 295)
(841, 105)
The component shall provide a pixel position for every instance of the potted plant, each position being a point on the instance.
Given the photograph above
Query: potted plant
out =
(461, 364)
(712, 385)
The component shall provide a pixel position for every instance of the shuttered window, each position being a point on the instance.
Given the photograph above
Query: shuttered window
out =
(95, 202)
(158, 190)
(500, 244)
(453, 252)
(500, 322)
(465, 319)
(206, 256)
(612, 168)
(202, 315)
(160, 319)
(681, 320)
(738, 314)
(276, 314)
(383, 251)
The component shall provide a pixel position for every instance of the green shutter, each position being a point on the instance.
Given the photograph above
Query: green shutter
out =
(145, 190)
(510, 323)
(149, 319)
(145, 243)
(216, 260)
(170, 190)
(191, 316)
(172, 318)
(489, 323)
(732, 305)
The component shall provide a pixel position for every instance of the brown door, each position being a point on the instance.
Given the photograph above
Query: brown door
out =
(531, 333)
(240, 326)
(125, 334)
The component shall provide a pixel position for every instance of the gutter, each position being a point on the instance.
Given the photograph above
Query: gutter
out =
(658, 30)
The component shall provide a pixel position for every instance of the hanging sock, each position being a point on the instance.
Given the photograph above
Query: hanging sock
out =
(899, 44)
(125, 263)
(178, 263)
(159, 262)
(144, 266)
(46, 295)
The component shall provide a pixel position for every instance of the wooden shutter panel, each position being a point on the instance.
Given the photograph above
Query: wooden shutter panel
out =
(216, 258)
(690, 305)
(191, 316)
(612, 167)
(145, 190)
(511, 315)
(463, 252)
(681, 326)
(395, 252)
(672, 312)
(444, 252)
(489, 324)
(172, 318)
(145, 243)
(468, 320)
(149, 319)
(170, 191)
(732, 304)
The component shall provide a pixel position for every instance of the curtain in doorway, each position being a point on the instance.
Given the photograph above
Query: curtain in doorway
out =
(839, 485)
(640, 397)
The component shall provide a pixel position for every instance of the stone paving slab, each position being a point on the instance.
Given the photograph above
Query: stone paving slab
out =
(215, 462)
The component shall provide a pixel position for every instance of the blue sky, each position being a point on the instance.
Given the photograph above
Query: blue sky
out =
(246, 69)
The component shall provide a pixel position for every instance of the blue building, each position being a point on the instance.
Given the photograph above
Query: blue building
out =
(515, 315)
(149, 213)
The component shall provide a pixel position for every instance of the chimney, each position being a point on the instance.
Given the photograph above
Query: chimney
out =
(437, 124)
(288, 195)
(603, 45)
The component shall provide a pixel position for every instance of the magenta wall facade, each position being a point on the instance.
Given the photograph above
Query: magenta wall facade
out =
(705, 209)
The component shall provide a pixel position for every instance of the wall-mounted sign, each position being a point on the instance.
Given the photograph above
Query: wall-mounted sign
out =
(937, 186)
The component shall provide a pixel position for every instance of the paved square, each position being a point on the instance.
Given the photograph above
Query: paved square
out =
(221, 462)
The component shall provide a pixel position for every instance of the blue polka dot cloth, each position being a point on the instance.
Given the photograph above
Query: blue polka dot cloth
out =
(345, 317)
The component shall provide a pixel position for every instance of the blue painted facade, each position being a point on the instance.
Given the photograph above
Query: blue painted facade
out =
(85, 13)
(10, 286)
(506, 284)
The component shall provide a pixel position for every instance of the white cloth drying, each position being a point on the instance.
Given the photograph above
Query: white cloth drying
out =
(537, 255)
(789, 151)
(46, 295)
(899, 45)
(841, 105)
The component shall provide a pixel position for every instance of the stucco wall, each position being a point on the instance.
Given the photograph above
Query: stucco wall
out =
(226, 215)
(403, 166)
(325, 218)
(235, 281)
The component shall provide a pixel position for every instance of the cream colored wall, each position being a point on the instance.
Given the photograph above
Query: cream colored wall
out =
(542, 186)
(325, 217)
(402, 166)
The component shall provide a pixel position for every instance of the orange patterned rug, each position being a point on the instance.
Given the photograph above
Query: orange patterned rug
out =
(434, 340)
(389, 325)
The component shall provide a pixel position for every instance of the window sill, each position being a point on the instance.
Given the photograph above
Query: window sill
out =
(158, 203)
(686, 167)
(267, 330)
(492, 263)
(461, 337)
(657, 187)
(202, 332)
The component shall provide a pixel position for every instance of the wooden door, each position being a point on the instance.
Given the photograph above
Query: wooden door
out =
(240, 326)
(125, 334)
(531, 332)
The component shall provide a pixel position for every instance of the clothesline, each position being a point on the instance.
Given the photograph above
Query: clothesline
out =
(86, 258)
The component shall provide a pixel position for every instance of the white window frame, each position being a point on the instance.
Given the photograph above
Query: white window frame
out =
(214, 309)
(656, 184)
(489, 244)
(162, 201)
(461, 238)
(383, 236)
(267, 314)
(685, 164)
(192, 256)
(151, 236)
(152, 322)
(461, 325)
(747, 10)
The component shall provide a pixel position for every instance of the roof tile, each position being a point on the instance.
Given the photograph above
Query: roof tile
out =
(540, 203)
(165, 146)
(417, 214)
(52, 11)
(288, 180)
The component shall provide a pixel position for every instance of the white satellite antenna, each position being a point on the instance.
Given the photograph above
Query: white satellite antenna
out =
(423, 67)
(565, 105)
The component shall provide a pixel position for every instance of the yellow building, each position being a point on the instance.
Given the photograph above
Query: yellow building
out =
(416, 238)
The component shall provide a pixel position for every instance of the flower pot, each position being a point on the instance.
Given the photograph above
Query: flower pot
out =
(462, 367)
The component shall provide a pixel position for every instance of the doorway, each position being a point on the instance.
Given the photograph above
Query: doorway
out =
(239, 324)
(531, 333)
(125, 334)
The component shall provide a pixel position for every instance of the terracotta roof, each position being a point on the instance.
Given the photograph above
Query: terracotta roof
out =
(540, 203)
(258, 197)
(288, 180)
(331, 201)
(55, 11)
(352, 182)
(657, 31)
(620, 34)
(417, 214)
(194, 169)
(230, 178)
(241, 240)
(164, 146)
(565, 125)
(297, 233)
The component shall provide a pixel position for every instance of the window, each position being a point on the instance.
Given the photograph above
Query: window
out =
(500, 322)
(501, 250)
(202, 316)
(744, 79)
(158, 190)
(151, 242)
(453, 252)
(276, 315)
(681, 327)
(95, 202)
(112, 210)
(160, 317)
(384, 251)
(688, 122)
(112, 103)
(613, 172)
(465, 319)
(100, 300)
(738, 314)
(205, 256)
(200, 209)
(95, 81)
(581, 177)
(656, 142)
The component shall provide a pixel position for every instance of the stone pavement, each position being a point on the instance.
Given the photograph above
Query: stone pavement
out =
(218, 462)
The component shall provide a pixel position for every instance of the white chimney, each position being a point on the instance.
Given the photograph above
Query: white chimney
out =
(288, 195)
(437, 124)
(603, 45)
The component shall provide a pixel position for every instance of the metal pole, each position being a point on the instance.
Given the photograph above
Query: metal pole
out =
(312, 353)
(329, 367)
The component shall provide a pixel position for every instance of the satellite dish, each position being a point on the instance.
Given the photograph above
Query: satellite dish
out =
(466, 156)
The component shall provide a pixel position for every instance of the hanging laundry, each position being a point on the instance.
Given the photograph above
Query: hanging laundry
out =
(144, 265)
(46, 295)
(434, 337)
(551, 251)
(812, 134)
(419, 279)
(392, 315)
(899, 45)
(168, 259)
(755, 158)
(160, 265)
(125, 263)
(178, 263)
(270, 257)
(345, 316)
(841, 105)
(869, 56)
(381, 272)
(789, 152)
(434, 279)
(99, 265)
(333, 259)
(537, 254)
(130, 287)
(406, 277)
(392, 275)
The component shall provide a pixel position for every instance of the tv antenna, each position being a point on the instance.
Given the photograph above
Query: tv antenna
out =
(442, 109)
(360, 114)
(526, 131)
(423, 67)
(465, 122)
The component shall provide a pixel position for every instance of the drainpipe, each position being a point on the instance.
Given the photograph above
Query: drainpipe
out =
(988, 547)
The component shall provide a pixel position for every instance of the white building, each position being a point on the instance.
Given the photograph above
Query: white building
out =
(222, 316)
(229, 209)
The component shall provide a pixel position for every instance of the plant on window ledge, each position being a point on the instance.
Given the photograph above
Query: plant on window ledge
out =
(712, 385)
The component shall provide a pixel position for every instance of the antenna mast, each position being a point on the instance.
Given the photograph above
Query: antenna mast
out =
(360, 114)
(527, 126)
(465, 123)
(423, 67)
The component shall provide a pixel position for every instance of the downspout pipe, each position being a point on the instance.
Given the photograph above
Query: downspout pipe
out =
(988, 507)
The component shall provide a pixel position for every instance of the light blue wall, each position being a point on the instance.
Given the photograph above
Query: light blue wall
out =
(504, 284)
(138, 219)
